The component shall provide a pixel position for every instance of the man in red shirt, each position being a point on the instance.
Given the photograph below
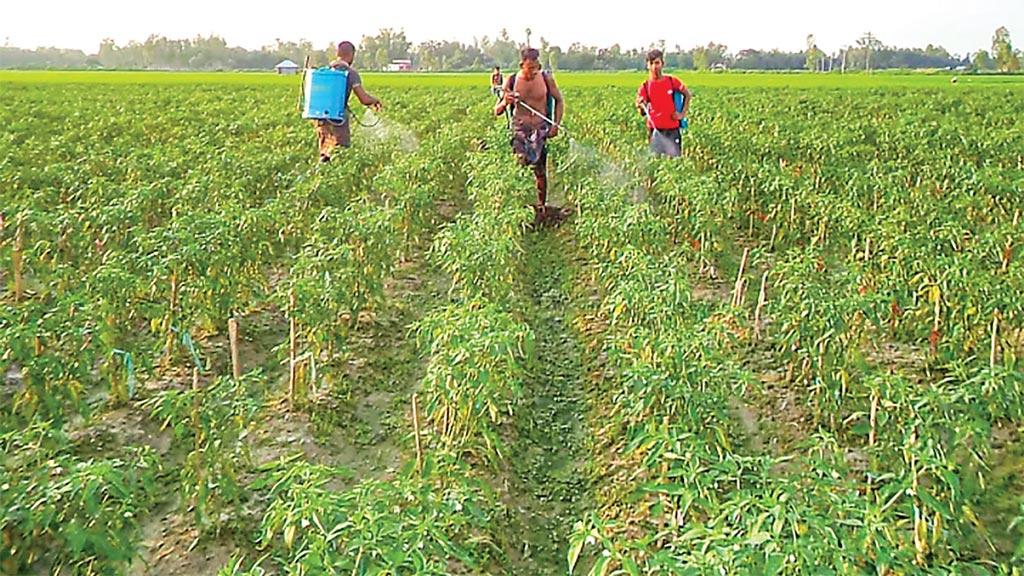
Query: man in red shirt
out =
(656, 100)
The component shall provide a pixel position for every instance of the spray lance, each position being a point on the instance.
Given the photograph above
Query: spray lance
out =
(520, 102)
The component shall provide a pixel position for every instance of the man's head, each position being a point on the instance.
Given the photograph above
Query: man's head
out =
(529, 62)
(655, 61)
(497, 68)
(346, 51)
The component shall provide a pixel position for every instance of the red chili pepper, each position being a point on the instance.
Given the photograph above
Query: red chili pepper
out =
(896, 310)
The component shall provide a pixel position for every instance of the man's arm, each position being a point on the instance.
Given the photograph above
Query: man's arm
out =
(503, 103)
(366, 98)
(686, 102)
(641, 99)
(508, 98)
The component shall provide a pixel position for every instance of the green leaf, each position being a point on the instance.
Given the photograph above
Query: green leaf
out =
(575, 547)
(630, 566)
(601, 566)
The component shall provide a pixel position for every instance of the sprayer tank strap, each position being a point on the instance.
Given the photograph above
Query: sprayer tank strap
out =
(354, 79)
(510, 86)
(660, 97)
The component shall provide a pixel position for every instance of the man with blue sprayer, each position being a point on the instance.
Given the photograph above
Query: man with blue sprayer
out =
(331, 134)
(658, 99)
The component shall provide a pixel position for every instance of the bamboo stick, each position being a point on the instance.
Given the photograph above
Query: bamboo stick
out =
(236, 367)
(416, 431)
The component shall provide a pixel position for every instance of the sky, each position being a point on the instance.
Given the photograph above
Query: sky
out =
(959, 26)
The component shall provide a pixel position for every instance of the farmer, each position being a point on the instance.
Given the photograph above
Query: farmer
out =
(656, 100)
(537, 109)
(496, 81)
(332, 134)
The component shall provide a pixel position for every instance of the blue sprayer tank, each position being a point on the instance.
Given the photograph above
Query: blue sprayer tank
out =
(680, 100)
(325, 91)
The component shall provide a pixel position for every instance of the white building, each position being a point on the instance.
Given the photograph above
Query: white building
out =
(400, 66)
(287, 67)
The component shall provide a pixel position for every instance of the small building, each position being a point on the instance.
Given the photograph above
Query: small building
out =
(400, 66)
(287, 67)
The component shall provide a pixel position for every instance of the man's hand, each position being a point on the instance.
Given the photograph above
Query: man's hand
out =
(377, 105)
(554, 131)
(510, 98)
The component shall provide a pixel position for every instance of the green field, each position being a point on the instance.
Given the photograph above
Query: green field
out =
(795, 350)
(568, 79)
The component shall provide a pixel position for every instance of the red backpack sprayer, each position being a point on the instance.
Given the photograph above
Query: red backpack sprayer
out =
(679, 99)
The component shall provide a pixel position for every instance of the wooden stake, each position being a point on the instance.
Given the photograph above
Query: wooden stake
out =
(874, 417)
(169, 322)
(820, 238)
(416, 431)
(737, 294)
(762, 297)
(196, 403)
(17, 259)
(872, 434)
(292, 348)
(995, 340)
(236, 367)
(301, 371)
(700, 252)
(3, 228)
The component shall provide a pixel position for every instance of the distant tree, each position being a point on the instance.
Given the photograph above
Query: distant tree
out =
(502, 50)
(868, 44)
(705, 57)
(701, 61)
(679, 58)
(376, 52)
(107, 54)
(545, 53)
(554, 55)
(750, 59)
(1002, 51)
(982, 61)
(814, 55)
(445, 55)
(56, 58)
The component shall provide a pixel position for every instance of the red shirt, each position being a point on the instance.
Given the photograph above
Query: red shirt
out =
(659, 93)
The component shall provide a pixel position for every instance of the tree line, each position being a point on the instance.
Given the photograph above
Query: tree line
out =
(376, 52)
